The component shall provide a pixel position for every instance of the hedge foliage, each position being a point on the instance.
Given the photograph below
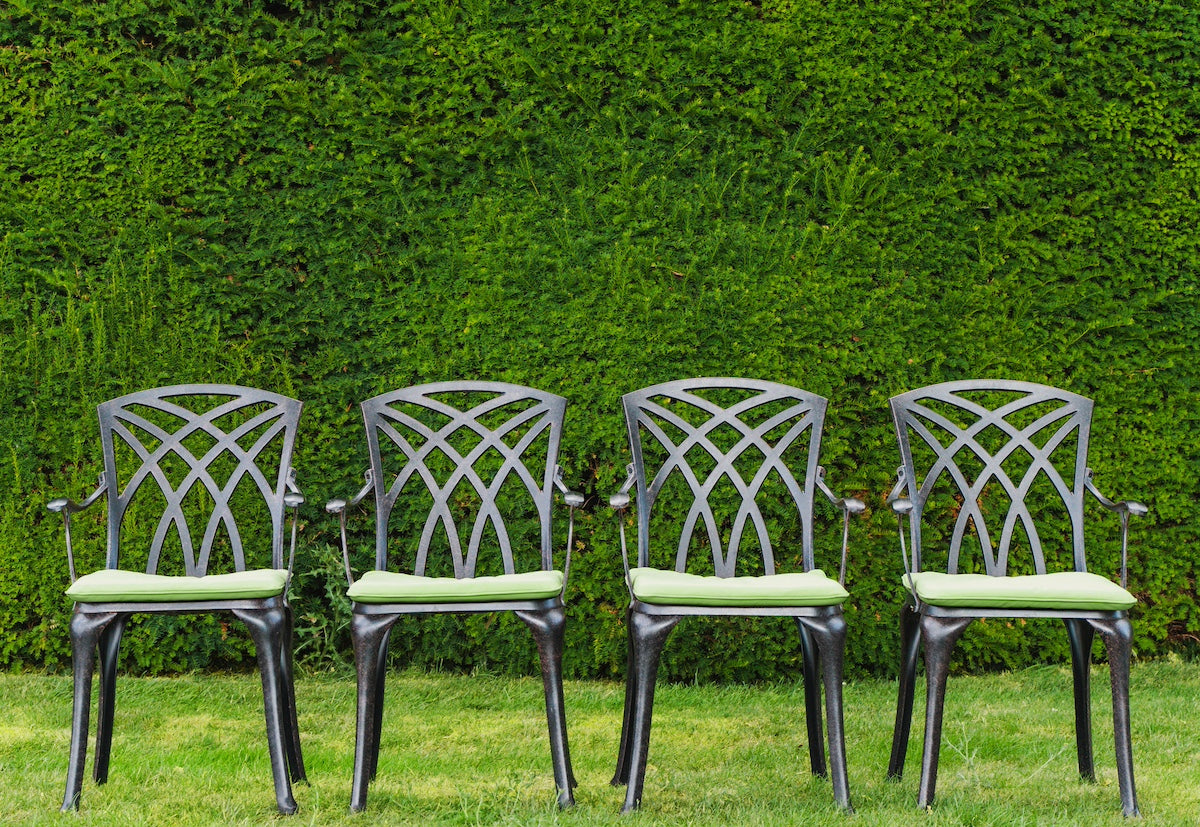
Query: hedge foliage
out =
(331, 199)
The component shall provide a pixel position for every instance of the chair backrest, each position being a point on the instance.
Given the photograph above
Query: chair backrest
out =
(724, 454)
(461, 468)
(1002, 462)
(180, 461)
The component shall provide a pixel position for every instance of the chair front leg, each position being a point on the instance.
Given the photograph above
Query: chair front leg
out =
(910, 649)
(1081, 635)
(86, 630)
(268, 631)
(649, 635)
(1118, 640)
(830, 636)
(370, 635)
(812, 701)
(109, 649)
(939, 634)
(547, 627)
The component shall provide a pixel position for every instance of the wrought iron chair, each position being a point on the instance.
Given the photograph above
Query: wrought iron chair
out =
(178, 463)
(1004, 463)
(714, 462)
(447, 460)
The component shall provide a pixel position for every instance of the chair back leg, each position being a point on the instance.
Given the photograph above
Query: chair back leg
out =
(910, 649)
(1081, 635)
(812, 701)
(621, 776)
(295, 757)
(109, 649)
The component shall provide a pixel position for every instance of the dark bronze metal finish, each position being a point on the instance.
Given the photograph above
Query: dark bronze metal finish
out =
(519, 429)
(983, 440)
(736, 443)
(265, 426)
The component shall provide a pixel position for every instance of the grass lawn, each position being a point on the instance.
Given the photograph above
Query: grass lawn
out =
(473, 750)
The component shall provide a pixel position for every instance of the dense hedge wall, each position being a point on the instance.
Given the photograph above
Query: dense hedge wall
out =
(331, 199)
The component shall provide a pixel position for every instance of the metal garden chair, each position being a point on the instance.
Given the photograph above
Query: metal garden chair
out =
(722, 466)
(186, 463)
(1003, 463)
(469, 469)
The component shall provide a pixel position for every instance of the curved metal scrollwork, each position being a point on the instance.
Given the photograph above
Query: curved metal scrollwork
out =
(477, 409)
(789, 416)
(1054, 443)
(264, 419)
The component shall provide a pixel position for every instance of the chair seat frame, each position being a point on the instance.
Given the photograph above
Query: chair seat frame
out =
(96, 628)
(936, 629)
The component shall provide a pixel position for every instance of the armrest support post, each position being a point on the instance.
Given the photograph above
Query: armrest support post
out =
(339, 507)
(67, 507)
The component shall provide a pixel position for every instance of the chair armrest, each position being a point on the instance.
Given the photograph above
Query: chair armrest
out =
(1124, 508)
(848, 505)
(903, 507)
(1132, 507)
(293, 499)
(619, 502)
(895, 498)
(573, 500)
(67, 507)
(339, 507)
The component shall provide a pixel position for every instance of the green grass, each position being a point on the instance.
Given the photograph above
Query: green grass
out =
(472, 750)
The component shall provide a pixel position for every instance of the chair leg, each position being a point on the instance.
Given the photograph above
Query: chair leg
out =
(830, 636)
(370, 635)
(268, 631)
(109, 649)
(295, 757)
(939, 635)
(910, 648)
(649, 635)
(1081, 635)
(1118, 640)
(621, 776)
(86, 630)
(812, 701)
(377, 718)
(547, 627)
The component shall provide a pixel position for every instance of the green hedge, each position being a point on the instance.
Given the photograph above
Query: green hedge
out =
(331, 199)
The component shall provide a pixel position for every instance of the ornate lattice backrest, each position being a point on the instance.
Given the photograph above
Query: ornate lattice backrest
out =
(995, 460)
(459, 467)
(197, 461)
(725, 454)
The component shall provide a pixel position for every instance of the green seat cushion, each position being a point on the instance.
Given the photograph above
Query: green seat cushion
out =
(118, 586)
(392, 587)
(810, 588)
(1067, 590)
